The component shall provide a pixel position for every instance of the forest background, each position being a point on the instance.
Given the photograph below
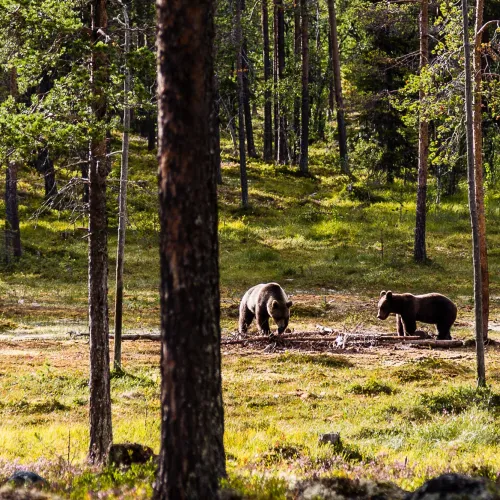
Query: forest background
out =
(333, 226)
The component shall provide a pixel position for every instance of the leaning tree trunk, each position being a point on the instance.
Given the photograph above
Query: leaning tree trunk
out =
(122, 199)
(419, 251)
(192, 459)
(478, 159)
(476, 253)
(241, 105)
(335, 57)
(100, 398)
(268, 127)
(304, 136)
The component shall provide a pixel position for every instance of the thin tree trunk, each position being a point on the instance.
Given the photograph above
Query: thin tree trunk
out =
(45, 166)
(122, 199)
(192, 459)
(215, 117)
(297, 48)
(241, 106)
(476, 252)
(335, 57)
(279, 73)
(100, 398)
(276, 93)
(304, 136)
(268, 133)
(246, 101)
(478, 159)
(13, 248)
(419, 251)
(151, 131)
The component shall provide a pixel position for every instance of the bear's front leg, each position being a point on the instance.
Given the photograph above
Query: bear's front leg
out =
(246, 318)
(399, 325)
(263, 323)
(410, 325)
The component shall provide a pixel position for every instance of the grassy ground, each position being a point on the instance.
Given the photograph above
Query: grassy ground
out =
(403, 415)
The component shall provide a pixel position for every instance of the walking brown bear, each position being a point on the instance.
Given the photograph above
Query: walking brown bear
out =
(262, 302)
(432, 308)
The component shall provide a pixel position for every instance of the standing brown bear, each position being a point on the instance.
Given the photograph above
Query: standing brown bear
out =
(262, 302)
(431, 308)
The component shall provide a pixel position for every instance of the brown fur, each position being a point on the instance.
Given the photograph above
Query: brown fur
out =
(432, 308)
(262, 302)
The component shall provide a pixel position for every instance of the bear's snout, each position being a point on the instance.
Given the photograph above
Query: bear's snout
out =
(281, 329)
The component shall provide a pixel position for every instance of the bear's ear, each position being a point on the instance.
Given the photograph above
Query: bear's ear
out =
(389, 295)
(382, 293)
(275, 304)
(289, 304)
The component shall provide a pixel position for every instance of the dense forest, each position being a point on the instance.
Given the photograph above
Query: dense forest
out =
(163, 158)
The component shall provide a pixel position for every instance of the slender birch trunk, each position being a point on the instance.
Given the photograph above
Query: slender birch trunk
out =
(476, 252)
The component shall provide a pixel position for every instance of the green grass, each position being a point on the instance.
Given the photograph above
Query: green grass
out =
(403, 416)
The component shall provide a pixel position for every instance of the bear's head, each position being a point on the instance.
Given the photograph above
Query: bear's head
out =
(280, 312)
(384, 304)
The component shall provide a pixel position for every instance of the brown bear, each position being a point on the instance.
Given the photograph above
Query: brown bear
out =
(262, 302)
(431, 308)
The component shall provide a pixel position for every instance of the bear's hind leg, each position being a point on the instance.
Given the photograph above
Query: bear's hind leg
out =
(246, 318)
(443, 332)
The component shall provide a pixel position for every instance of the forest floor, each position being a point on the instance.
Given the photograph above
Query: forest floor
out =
(404, 414)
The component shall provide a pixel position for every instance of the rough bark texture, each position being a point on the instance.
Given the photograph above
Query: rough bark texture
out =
(304, 135)
(192, 454)
(246, 101)
(476, 254)
(478, 160)
(419, 250)
(241, 104)
(13, 248)
(335, 57)
(122, 201)
(100, 400)
(268, 127)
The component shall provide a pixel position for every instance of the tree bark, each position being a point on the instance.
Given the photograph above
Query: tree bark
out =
(246, 102)
(215, 117)
(337, 82)
(192, 457)
(280, 116)
(241, 105)
(122, 199)
(419, 251)
(476, 253)
(100, 398)
(45, 166)
(304, 136)
(268, 132)
(478, 159)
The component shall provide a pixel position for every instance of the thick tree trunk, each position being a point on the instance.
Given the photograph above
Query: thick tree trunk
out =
(122, 200)
(100, 398)
(241, 105)
(192, 453)
(335, 57)
(246, 102)
(268, 132)
(304, 136)
(13, 248)
(476, 253)
(478, 159)
(419, 251)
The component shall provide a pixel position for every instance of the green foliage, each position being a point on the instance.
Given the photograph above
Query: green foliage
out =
(372, 387)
